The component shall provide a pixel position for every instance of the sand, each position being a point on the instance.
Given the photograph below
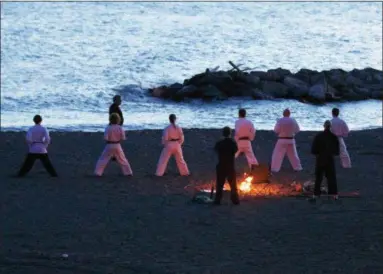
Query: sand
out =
(81, 224)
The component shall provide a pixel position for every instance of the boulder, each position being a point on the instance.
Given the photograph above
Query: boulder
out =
(278, 74)
(260, 95)
(162, 92)
(262, 75)
(242, 89)
(352, 81)
(305, 75)
(336, 77)
(318, 92)
(297, 87)
(365, 92)
(353, 96)
(211, 92)
(377, 94)
(252, 80)
(186, 92)
(275, 89)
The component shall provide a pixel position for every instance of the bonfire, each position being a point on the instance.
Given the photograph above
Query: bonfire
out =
(250, 186)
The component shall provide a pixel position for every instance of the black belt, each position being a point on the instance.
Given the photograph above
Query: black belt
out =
(286, 138)
(174, 140)
(37, 142)
(244, 138)
(111, 142)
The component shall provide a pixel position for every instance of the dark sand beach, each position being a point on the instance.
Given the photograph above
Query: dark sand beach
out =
(80, 224)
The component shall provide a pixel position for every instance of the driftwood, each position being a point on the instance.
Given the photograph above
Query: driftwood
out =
(234, 66)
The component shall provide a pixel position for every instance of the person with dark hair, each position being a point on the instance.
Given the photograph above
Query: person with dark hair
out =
(115, 108)
(38, 140)
(286, 128)
(244, 135)
(172, 139)
(325, 146)
(225, 168)
(341, 130)
(113, 136)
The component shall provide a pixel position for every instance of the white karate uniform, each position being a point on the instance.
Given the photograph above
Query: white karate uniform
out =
(38, 139)
(113, 133)
(245, 128)
(285, 127)
(340, 129)
(172, 132)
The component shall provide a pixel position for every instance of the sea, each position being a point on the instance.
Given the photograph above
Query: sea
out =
(66, 60)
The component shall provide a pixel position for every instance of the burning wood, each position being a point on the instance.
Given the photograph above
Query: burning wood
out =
(249, 187)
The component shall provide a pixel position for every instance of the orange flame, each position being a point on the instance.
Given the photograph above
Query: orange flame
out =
(245, 185)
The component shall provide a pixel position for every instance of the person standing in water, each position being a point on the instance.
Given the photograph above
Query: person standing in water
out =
(172, 139)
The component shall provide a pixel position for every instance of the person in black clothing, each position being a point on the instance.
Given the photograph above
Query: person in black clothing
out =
(225, 169)
(325, 146)
(115, 108)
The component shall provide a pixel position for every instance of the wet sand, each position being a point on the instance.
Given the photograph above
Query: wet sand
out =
(80, 224)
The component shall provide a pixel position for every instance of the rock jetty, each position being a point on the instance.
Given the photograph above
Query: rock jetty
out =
(306, 85)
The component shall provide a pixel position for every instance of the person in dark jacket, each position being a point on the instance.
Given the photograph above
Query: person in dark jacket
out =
(115, 108)
(325, 146)
(225, 168)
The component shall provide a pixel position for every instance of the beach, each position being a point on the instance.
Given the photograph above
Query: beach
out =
(78, 223)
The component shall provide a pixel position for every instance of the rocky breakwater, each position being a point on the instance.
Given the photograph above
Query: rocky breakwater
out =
(305, 85)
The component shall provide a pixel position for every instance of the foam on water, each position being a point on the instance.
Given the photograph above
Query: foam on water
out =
(66, 60)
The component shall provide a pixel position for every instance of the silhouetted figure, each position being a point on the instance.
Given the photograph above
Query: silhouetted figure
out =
(38, 140)
(225, 168)
(325, 146)
(115, 108)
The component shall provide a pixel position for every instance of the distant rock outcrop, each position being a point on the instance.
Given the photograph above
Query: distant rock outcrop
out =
(305, 85)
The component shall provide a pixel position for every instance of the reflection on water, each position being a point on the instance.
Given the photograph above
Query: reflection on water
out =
(154, 115)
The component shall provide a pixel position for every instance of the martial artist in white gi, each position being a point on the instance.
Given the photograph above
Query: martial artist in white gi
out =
(286, 128)
(244, 135)
(340, 129)
(38, 140)
(113, 136)
(172, 139)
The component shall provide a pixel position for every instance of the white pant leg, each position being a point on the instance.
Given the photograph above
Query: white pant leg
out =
(244, 146)
(163, 161)
(278, 155)
(343, 154)
(121, 159)
(103, 160)
(181, 164)
(292, 154)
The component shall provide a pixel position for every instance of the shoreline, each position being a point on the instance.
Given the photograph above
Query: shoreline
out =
(2, 131)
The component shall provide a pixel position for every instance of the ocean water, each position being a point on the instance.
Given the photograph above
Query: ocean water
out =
(66, 60)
